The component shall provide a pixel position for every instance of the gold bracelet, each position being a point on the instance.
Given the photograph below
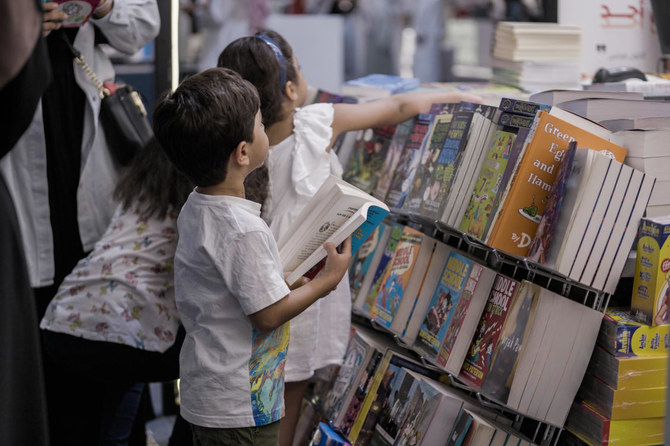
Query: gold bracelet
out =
(104, 12)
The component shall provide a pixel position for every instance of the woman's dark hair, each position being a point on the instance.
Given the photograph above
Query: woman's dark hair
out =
(152, 183)
(256, 61)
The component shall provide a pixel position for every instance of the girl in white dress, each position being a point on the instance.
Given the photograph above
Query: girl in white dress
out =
(299, 162)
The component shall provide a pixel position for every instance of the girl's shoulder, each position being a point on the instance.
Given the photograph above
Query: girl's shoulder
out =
(313, 116)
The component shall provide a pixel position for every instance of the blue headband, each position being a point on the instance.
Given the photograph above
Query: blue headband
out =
(280, 57)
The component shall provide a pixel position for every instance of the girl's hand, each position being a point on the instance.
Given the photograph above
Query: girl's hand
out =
(337, 261)
(53, 19)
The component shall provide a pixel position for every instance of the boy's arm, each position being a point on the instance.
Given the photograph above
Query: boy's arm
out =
(302, 297)
(392, 110)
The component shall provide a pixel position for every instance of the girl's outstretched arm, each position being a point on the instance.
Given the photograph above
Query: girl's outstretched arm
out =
(391, 110)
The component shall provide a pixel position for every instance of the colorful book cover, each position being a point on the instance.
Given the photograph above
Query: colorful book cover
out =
(513, 336)
(459, 315)
(363, 385)
(395, 280)
(395, 408)
(409, 161)
(488, 184)
(351, 364)
(445, 167)
(512, 162)
(650, 303)
(478, 358)
(392, 156)
(389, 82)
(461, 428)
(389, 249)
(541, 245)
(525, 203)
(433, 146)
(621, 335)
(367, 158)
(442, 305)
(361, 264)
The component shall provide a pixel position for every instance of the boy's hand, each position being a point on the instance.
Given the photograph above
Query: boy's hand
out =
(337, 261)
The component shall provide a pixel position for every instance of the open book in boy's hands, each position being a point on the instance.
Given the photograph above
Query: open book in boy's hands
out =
(78, 11)
(335, 212)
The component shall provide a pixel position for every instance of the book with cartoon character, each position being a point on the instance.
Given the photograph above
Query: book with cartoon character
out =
(488, 184)
(404, 275)
(441, 309)
(478, 357)
(409, 160)
(367, 158)
(78, 11)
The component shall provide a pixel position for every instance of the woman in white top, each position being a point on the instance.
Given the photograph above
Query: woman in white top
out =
(299, 162)
(113, 324)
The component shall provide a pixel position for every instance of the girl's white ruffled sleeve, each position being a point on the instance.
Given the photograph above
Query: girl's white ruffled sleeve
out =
(311, 162)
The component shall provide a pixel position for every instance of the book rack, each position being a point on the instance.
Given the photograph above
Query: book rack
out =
(512, 266)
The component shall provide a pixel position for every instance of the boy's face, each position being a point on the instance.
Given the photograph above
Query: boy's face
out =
(258, 149)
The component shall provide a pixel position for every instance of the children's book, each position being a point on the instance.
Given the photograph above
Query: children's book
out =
(525, 200)
(368, 294)
(409, 160)
(335, 212)
(442, 175)
(488, 184)
(633, 372)
(410, 330)
(622, 336)
(541, 244)
(460, 429)
(443, 303)
(651, 284)
(433, 143)
(392, 156)
(367, 158)
(513, 336)
(325, 435)
(478, 358)
(401, 281)
(364, 258)
(463, 324)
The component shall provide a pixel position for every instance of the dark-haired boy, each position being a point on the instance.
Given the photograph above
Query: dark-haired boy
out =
(229, 285)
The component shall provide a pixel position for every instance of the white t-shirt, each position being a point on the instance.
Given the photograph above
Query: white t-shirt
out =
(227, 267)
(123, 291)
(297, 167)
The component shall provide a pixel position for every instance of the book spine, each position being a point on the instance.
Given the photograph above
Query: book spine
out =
(521, 107)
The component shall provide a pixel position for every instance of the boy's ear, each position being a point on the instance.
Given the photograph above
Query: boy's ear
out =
(291, 90)
(240, 154)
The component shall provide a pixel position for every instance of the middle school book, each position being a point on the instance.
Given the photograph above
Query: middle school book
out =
(413, 252)
(392, 156)
(478, 358)
(442, 306)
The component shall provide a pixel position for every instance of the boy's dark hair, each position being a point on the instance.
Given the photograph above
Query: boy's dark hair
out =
(255, 60)
(203, 121)
(152, 183)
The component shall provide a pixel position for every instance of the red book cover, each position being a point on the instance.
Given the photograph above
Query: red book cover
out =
(479, 354)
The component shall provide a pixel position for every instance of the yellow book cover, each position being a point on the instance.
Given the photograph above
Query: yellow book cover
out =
(623, 404)
(633, 372)
(525, 201)
(620, 335)
(651, 283)
(595, 429)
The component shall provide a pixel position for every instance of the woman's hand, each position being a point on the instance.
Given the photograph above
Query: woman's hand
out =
(53, 18)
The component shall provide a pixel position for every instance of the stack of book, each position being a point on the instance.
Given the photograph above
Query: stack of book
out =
(537, 56)
(622, 399)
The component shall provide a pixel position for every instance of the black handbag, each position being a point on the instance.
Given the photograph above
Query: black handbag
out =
(122, 115)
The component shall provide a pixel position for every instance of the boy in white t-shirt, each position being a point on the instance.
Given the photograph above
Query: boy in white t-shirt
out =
(229, 286)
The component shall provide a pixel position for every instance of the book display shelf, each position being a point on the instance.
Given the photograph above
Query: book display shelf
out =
(520, 268)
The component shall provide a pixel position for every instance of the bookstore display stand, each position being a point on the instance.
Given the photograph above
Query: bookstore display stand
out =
(540, 432)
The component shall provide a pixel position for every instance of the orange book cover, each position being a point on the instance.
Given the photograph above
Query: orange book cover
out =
(526, 199)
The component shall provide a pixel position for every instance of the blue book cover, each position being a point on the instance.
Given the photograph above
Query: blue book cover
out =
(441, 309)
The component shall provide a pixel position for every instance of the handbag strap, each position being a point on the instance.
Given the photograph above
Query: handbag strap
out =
(102, 91)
